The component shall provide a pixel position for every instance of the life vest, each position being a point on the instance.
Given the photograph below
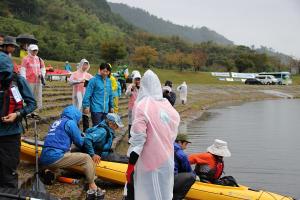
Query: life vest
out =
(219, 169)
(211, 171)
(9, 104)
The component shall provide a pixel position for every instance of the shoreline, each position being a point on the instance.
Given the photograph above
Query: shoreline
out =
(201, 99)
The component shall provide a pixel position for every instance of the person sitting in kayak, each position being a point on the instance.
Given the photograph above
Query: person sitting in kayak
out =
(210, 165)
(56, 150)
(99, 139)
(184, 178)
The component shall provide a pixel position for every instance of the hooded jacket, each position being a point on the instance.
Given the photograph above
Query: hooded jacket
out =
(98, 95)
(62, 133)
(97, 141)
(153, 133)
(6, 65)
(78, 86)
(182, 89)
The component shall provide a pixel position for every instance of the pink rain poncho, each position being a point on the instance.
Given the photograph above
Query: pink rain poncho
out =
(153, 132)
(77, 80)
(32, 68)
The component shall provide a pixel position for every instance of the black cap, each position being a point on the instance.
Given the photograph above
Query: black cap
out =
(168, 83)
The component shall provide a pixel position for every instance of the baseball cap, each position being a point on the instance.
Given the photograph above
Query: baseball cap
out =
(182, 137)
(33, 47)
(115, 118)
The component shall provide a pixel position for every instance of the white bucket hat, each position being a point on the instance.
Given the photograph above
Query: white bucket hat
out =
(219, 148)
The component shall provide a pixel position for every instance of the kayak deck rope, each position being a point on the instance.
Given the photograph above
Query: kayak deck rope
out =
(270, 194)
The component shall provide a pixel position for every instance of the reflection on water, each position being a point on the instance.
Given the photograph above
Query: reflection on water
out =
(264, 140)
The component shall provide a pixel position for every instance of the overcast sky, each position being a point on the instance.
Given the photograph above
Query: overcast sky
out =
(271, 23)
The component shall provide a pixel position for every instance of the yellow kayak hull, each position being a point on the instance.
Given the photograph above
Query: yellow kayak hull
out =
(115, 172)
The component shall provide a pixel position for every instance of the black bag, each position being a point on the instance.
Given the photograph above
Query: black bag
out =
(229, 181)
(42, 78)
(86, 82)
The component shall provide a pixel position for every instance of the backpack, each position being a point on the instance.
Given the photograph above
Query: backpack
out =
(9, 105)
(99, 148)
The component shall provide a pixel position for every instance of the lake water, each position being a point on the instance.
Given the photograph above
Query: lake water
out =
(264, 139)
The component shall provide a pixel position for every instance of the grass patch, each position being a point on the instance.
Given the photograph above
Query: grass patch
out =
(164, 74)
(296, 79)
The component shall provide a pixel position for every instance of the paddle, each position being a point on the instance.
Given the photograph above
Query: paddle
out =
(37, 185)
(16, 196)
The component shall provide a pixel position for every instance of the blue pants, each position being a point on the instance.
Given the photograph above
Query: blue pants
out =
(97, 117)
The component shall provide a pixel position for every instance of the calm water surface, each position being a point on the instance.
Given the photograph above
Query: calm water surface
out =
(264, 139)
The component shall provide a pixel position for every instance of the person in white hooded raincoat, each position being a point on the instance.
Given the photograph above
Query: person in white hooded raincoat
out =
(182, 89)
(77, 80)
(151, 152)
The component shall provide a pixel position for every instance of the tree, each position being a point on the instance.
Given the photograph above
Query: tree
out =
(243, 64)
(261, 62)
(199, 59)
(113, 50)
(187, 60)
(145, 56)
(169, 59)
(178, 55)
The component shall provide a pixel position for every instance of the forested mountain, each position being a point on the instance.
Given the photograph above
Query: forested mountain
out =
(76, 29)
(285, 59)
(153, 24)
(66, 29)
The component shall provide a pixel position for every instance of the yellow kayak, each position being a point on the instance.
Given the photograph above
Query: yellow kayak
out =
(115, 172)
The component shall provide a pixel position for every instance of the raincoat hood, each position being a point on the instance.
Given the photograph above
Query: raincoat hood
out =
(6, 64)
(81, 64)
(150, 86)
(72, 112)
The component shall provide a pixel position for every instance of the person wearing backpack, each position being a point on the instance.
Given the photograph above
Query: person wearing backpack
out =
(14, 92)
(99, 139)
(34, 71)
(56, 152)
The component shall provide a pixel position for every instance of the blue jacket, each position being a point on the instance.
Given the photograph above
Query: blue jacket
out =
(6, 65)
(62, 133)
(68, 67)
(181, 160)
(97, 141)
(98, 95)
